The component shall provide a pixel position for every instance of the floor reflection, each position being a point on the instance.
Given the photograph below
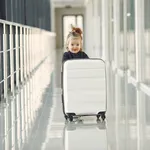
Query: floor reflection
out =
(85, 136)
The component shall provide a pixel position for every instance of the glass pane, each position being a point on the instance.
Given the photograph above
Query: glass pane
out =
(147, 123)
(67, 21)
(111, 98)
(80, 22)
(121, 48)
(131, 103)
(100, 26)
(146, 51)
(147, 110)
(1, 61)
(112, 31)
(80, 25)
(121, 97)
(131, 36)
(145, 119)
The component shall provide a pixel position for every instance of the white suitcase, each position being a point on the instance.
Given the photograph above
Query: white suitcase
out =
(84, 88)
(85, 137)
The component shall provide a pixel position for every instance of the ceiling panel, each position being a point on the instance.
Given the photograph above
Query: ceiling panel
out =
(72, 3)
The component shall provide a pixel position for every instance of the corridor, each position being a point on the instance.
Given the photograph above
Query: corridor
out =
(33, 36)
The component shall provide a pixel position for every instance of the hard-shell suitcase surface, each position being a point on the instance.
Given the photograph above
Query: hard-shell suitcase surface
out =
(85, 137)
(84, 87)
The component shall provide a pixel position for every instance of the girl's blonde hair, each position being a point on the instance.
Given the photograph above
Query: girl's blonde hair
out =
(73, 34)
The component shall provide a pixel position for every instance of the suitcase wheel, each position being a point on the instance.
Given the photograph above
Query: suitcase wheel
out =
(70, 118)
(98, 116)
(66, 117)
(102, 115)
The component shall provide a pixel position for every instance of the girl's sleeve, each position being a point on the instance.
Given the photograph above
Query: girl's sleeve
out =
(85, 55)
(65, 57)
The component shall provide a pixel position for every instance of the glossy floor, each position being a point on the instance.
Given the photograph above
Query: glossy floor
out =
(124, 128)
(53, 132)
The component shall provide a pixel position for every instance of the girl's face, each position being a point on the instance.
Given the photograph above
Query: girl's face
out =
(74, 45)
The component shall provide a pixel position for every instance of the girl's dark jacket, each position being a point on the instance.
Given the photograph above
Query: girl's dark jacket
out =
(69, 55)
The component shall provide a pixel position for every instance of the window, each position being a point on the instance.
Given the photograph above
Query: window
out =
(131, 37)
(121, 37)
(146, 51)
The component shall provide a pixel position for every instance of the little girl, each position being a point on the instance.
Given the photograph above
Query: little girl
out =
(74, 45)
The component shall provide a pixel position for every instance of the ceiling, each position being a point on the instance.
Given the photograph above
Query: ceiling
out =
(72, 3)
